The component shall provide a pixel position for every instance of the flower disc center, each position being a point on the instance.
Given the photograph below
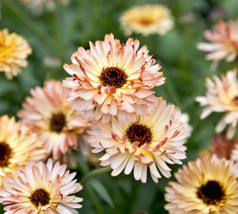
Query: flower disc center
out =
(5, 154)
(113, 76)
(139, 133)
(211, 193)
(235, 100)
(40, 197)
(57, 122)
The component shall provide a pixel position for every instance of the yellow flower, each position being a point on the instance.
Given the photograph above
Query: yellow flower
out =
(56, 123)
(150, 142)
(204, 186)
(17, 146)
(14, 50)
(41, 188)
(112, 79)
(147, 19)
(222, 96)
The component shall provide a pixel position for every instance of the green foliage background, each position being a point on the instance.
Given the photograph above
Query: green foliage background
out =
(184, 66)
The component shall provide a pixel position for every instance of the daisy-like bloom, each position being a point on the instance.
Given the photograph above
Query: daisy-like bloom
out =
(50, 115)
(38, 7)
(14, 50)
(204, 186)
(223, 42)
(149, 142)
(41, 188)
(17, 146)
(112, 79)
(222, 96)
(147, 19)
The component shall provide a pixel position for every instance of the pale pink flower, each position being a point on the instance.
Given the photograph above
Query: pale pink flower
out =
(41, 188)
(222, 96)
(150, 142)
(223, 42)
(112, 79)
(57, 124)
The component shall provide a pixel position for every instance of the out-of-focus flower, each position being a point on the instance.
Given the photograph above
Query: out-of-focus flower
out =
(222, 147)
(40, 6)
(147, 19)
(222, 96)
(223, 42)
(17, 146)
(14, 50)
(41, 188)
(205, 186)
(218, 13)
(149, 142)
(50, 115)
(185, 119)
(112, 79)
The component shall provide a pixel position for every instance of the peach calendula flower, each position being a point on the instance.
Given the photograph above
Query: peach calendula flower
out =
(222, 96)
(14, 50)
(41, 188)
(204, 186)
(112, 79)
(223, 42)
(147, 19)
(149, 142)
(17, 146)
(57, 124)
(40, 6)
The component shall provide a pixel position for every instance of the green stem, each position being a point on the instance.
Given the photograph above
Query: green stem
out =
(28, 21)
(95, 172)
(94, 199)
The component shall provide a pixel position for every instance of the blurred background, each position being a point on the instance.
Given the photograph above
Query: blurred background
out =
(54, 36)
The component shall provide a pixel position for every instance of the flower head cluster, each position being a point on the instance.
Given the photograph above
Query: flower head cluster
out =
(147, 19)
(112, 79)
(50, 115)
(222, 96)
(41, 188)
(17, 146)
(206, 186)
(40, 6)
(223, 42)
(149, 142)
(14, 50)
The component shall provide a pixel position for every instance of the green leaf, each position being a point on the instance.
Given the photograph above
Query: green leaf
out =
(101, 190)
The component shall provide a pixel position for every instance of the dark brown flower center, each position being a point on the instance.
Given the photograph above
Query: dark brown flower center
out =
(113, 76)
(40, 197)
(146, 21)
(57, 122)
(211, 193)
(139, 133)
(5, 154)
(235, 100)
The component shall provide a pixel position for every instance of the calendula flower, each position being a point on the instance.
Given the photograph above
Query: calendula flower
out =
(41, 188)
(17, 146)
(223, 42)
(14, 50)
(40, 6)
(149, 142)
(204, 186)
(147, 19)
(56, 123)
(222, 147)
(112, 79)
(222, 96)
